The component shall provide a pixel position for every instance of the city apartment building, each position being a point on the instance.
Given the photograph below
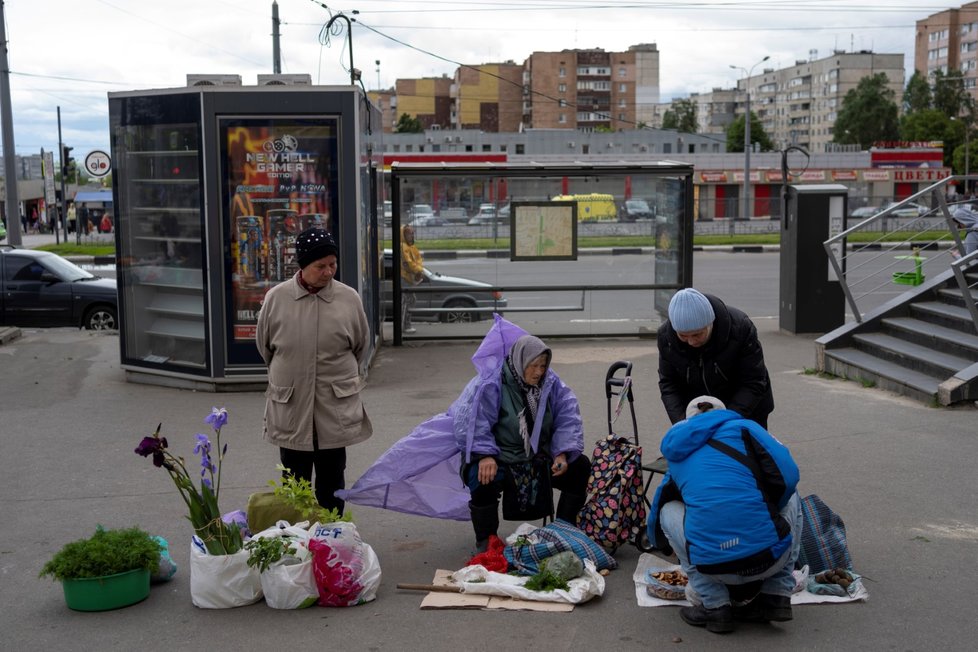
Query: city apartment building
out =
(386, 103)
(716, 110)
(591, 89)
(948, 40)
(572, 89)
(488, 97)
(798, 105)
(428, 99)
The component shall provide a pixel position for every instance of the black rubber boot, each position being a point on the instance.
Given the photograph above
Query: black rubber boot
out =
(569, 506)
(485, 522)
(718, 621)
(776, 608)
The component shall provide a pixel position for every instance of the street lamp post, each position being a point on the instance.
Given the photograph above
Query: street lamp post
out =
(747, 144)
(967, 148)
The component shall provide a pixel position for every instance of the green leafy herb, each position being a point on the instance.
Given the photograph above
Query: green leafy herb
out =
(546, 580)
(107, 552)
(265, 551)
(297, 493)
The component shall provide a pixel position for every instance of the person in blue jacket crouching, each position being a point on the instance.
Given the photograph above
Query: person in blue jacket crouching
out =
(729, 509)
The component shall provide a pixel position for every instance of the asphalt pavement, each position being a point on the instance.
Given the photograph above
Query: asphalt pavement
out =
(900, 473)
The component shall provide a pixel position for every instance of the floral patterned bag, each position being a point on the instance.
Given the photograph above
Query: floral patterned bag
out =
(614, 512)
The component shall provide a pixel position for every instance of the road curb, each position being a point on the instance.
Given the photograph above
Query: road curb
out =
(8, 333)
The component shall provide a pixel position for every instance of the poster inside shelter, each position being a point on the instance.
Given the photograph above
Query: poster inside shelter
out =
(280, 178)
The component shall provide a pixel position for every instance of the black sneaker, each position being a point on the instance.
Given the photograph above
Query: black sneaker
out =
(718, 621)
(775, 607)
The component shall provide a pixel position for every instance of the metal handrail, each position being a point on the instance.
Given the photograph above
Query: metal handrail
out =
(959, 267)
(917, 230)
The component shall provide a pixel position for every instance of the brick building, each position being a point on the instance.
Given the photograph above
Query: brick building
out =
(488, 97)
(948, 40)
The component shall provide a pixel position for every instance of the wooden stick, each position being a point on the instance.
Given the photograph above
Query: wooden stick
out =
(430, 587)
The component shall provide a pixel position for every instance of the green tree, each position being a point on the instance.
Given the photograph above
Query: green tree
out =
(917, 96)
(408, 125)
(931, 124)
(950, 95)
(735, 134)
(868, 113)
(681, 116)
(958, 158)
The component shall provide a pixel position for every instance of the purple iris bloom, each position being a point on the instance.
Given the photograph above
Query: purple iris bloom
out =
(218, 418)
(153, 446)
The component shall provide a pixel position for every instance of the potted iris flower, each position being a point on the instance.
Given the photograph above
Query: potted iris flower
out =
(219, 574)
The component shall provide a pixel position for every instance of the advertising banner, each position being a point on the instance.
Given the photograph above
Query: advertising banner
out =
(280, 178)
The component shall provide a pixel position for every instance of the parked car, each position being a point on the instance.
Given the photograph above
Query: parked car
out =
(907, 210)
(39, 288)
(864, 212)
(429, 220)
(460, 295)
(485, 215)
(636, 209)
(388, 215)
(419, 210)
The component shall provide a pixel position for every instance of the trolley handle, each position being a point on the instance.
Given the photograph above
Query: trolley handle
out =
(611, 381)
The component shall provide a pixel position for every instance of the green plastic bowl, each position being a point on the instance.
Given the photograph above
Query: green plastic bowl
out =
(109, 592)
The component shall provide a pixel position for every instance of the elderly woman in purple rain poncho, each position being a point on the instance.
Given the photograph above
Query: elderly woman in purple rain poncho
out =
(453, 465)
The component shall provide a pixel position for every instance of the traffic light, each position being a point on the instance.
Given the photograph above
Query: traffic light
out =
(67, 162)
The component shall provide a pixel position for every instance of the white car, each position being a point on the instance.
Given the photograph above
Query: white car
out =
(486, 215)
(420, 211)
(907, 210)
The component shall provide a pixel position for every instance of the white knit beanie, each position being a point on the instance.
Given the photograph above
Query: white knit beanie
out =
(703, 404)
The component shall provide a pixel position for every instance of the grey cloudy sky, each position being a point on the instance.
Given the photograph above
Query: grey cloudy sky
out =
(71, 53)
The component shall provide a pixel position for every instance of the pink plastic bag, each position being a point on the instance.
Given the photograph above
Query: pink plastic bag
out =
(346, 569)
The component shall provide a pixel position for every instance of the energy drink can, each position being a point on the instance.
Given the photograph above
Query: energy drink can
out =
(251, 248)
(283, 229)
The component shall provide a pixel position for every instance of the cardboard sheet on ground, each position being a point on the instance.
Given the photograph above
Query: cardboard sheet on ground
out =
(647, 562)
(438, 600)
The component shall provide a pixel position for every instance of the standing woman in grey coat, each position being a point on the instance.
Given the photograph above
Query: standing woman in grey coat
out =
(312, 333)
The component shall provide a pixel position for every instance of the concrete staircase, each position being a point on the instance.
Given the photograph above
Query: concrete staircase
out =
(922, 344)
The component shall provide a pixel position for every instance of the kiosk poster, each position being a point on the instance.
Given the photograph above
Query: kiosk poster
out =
(280, 178)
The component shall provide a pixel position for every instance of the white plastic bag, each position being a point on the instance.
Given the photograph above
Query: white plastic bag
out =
(346, 568)
(476, 579)
(222, 581)
(289, 583)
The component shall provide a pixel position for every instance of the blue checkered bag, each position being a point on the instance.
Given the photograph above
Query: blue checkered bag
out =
(555, 537)
(823, 537)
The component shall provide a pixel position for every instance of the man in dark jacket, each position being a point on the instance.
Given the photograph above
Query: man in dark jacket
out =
(729, 509)
(709, 348)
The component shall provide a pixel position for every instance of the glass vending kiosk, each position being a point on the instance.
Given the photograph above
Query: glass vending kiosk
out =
(212, 185)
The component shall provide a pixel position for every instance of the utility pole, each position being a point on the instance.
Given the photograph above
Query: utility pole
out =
(12, 205)
(276, 50)
(64, 197)
(747, 141)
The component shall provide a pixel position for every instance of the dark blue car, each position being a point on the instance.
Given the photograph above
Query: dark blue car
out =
(39, 288)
